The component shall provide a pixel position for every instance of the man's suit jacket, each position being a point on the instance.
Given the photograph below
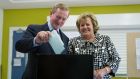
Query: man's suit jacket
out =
(26, 45)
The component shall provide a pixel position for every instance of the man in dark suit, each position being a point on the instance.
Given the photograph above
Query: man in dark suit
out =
(36, 37)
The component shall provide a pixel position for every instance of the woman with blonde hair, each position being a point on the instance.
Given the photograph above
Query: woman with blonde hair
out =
(105, 57)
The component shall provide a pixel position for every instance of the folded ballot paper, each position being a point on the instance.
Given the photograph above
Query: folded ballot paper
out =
(56, 42)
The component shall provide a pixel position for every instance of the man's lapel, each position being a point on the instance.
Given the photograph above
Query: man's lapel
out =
(45, 27)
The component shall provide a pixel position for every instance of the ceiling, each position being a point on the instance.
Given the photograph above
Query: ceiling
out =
(20, 4)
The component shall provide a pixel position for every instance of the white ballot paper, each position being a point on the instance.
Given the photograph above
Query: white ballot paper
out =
(56, 42)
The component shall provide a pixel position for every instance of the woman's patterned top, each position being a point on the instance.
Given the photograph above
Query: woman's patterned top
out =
(103, 51)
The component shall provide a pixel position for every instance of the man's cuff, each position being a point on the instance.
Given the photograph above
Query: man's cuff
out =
(34, 44)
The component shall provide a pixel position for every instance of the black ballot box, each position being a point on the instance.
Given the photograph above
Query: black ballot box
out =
(65, 67)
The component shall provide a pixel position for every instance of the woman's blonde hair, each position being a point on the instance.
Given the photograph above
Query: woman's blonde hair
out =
(83, 17)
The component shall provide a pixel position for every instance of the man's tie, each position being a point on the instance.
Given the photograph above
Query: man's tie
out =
(57, 32)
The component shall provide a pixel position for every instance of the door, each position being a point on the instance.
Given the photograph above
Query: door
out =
(132, 54)
(18, 59)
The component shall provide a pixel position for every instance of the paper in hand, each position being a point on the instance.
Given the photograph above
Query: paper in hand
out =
(56, 42)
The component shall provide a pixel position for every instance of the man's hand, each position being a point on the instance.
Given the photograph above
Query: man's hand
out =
(42, 37)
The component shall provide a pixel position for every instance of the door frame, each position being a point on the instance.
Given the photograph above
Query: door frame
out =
(11, 30)
(1, 32)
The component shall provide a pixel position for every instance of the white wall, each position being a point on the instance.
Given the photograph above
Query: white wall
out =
(127, 20)
(1, 29)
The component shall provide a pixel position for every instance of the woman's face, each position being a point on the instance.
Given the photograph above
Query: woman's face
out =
(86, 27)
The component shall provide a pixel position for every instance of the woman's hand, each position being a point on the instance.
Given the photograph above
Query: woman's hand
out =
(99, 74)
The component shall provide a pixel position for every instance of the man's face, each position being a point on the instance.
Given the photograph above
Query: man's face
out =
(58, 18)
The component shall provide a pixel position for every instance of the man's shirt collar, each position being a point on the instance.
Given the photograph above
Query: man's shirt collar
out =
(50, 26)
